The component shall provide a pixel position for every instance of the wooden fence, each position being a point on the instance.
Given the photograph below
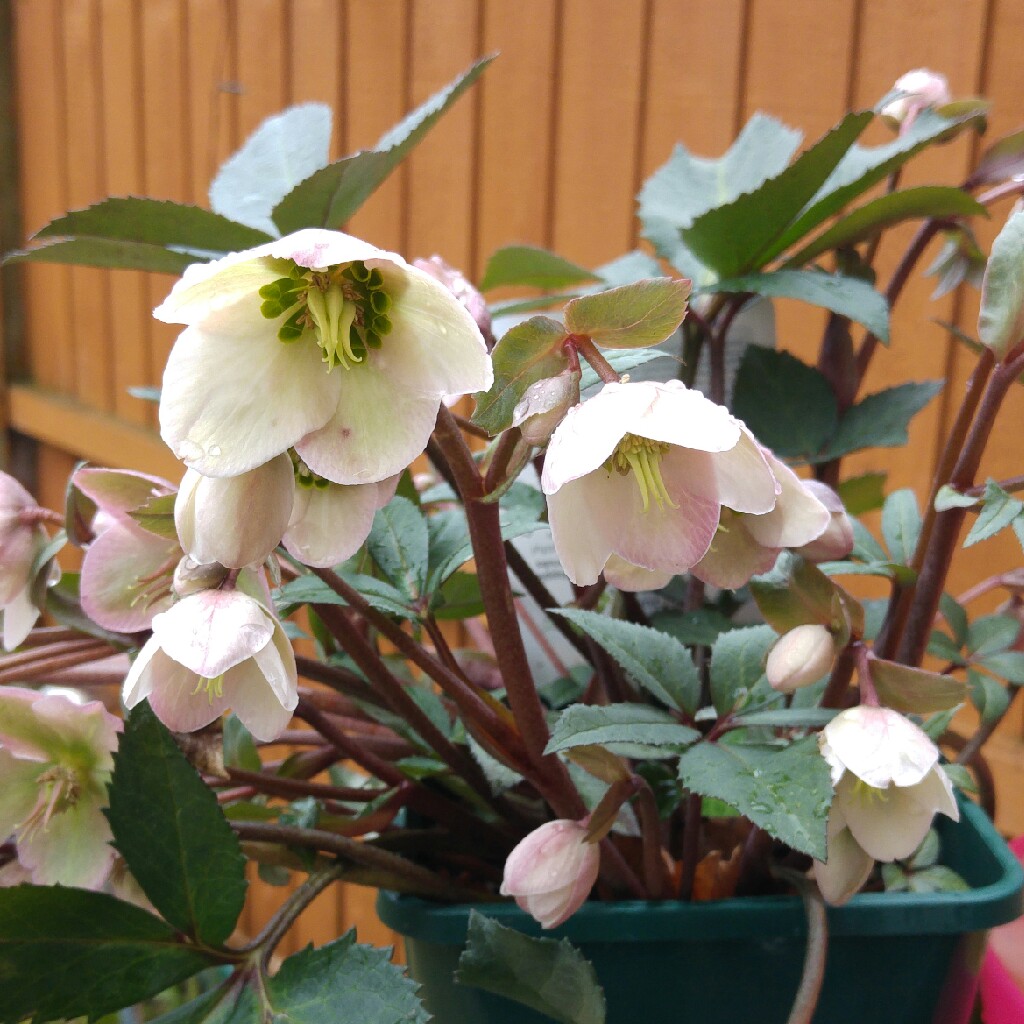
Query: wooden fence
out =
(586, 99)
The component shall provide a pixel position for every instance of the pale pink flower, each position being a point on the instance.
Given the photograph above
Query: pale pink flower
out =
(748, 544)
(317, 341)
(800, 657)
(550, 873)
(836, 540)
(640, 473)
(888, 787)
(215, 650)
(55, 762)
(920, 89)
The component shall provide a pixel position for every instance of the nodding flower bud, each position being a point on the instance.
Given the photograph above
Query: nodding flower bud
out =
(551, 872)
(544, 405)
(836, 541)
(458, 284)
(920, 89)
(800, 657)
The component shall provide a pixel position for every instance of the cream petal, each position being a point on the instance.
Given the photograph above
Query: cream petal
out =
(20, 614)
(234, 397)
(798, 517)
(74, 848)
(178, 698)
(847, 867)
(207, 288)
(583, 529)
(888, 823)
(680, 416)
(254, 692)
(583, 441)
(329, 524)
(372, 433)
(621, 574)
(119, 491)
(880, 746)
(138, 683)
(734, 555)
(19, 792)
(211, 631)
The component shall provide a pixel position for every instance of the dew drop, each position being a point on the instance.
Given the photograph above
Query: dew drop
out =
(214, 451)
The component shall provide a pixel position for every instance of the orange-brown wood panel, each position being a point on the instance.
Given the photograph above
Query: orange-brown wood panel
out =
(263, 53)
(316, 71)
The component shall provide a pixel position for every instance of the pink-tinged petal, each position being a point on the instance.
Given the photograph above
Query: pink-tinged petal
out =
(329, 524)
(798, 516)
(119, 491)
(372, 433)
(19, 791)
(234, 396)
(20, 616)
(679, 416)
(879, 746)
(73, 849)
(734, 556)
(582, 534)
(739, 478)
(235, 520)
(888, 823)
(84, 733)
(211, 631)
(582, 442)
(120, 584)
(263, 692)
(138, 683)
(435, 346)
(20, 731)
(625, 576)
(18, 546)
(179, 697)
(848, 866)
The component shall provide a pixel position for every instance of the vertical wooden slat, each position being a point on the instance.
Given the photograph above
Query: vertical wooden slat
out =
(598, 104)
(263, 61)
(316, 38)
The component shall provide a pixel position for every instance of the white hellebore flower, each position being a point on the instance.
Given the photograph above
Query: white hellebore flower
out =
(214, 650)
(888, 786)
(636, 478)
(317, 341)
(920, 89)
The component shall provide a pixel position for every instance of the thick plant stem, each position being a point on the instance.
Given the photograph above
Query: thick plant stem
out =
(807, 995)
(655, 871)
(691, 845)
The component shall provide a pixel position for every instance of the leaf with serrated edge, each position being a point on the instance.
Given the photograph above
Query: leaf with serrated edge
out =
(106, 253)
(528, 265)
(631, 316)
(68, 953)
(999, 510)
(881, 419)
(311, 589)
(653, 659)
(398, 544)
(170, 830)
(548, 975)
(618, 725)
(786, 792)
(901, 524)
(737, 663)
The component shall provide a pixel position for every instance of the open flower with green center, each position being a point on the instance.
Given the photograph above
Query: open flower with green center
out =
(636, 478)
(55, 762)
(319, 342)
(888, 786)
(214, 650)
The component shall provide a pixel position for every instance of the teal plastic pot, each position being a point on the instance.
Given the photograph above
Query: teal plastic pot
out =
(893, 958)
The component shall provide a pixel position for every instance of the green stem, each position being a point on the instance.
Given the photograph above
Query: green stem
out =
(808, 993)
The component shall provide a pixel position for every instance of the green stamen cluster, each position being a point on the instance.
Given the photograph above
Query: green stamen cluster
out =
(304, 476)
(347, 307)
(59, 790)
(642, 457)
(214, 687)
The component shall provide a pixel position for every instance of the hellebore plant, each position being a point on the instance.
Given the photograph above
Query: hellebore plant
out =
(346, 551)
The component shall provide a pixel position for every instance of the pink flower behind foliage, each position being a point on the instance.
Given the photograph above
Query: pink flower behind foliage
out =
(551, 872)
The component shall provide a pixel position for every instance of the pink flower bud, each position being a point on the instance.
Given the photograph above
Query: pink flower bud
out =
(544, 405)
(836, 541)
(800, 657)
(457, 283)
(921, 89)
(551, 872)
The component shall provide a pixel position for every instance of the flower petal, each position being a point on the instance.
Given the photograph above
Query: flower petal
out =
(734, 555)
(621, 574)
(582, 529)
(20, 791)
(175, 699)
(73, 849)
(879, 745)
(262, 694)
(20, 616)
(119, 491)
(847, 867)
(798, 517)
(888, 823)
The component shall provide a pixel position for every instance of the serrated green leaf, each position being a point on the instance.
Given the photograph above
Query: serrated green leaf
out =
(901, 525)
(887, 570)
(988, 695)
(547, 975)
(788, 405)
(398, 544)
(329, 197)
(654, 660)
(311, 589)
(991, 634)
(283, 150)
(527, 353)
(106, 253)
(892, 208)
(948, 497)
(999, 510)
(956, 618)
(170, 830)
(633, 730)
(68, 953)
(157, 516)
(1001, 319)
(533, 267)
(737, 664)
(787, 792)
(863, 493)
(848, 296)
(914, 690)
(635, 315)
(881, 419)
(789, 718)
(701, 626)
(744, 234)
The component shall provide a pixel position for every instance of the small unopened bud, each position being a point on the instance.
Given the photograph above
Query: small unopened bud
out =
(457, 283)
(544, 405)
(551, 872)
(836, 541)
(190, 576)
(800, 657)
(920, 89)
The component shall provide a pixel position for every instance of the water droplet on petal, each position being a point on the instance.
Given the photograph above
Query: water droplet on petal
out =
(214, 451)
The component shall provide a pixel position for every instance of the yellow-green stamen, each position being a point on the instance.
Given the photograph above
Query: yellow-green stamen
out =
(642, 457)
(59, 790)
(214, 687)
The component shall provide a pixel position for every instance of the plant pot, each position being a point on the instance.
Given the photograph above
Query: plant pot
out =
(893, 958)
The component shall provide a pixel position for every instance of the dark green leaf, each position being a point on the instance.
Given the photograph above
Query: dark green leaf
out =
(284, 150)
(786, 403)
(527, 265)
(633, 315)
(329, 197)
(170, 830)
(787, 792)
(529, 352)
(1007, 665)
(901, 524)
(744, 234)
(311, 589)
(789, 718)
(848, 296)
(863, 493)
(633, 730)
(1001, 320)
(239, 747)
(73, 953)
(701, 626)
(398, 544)
(942, 646)
(1000, 509)
(737, 664)
(656, 661)
(108, 253)
(458, 598)
(988, 695)
(991, 634)
(881, 419)
(956, 618)
(914, 690)
(892, 208)
(549, 976)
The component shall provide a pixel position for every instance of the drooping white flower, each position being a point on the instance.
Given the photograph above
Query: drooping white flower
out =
(888, 787)
(551, 872)
(638, 475)
(836, 540)
(317, 341)
(55, 762)
(215, 650)
(920, 89)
